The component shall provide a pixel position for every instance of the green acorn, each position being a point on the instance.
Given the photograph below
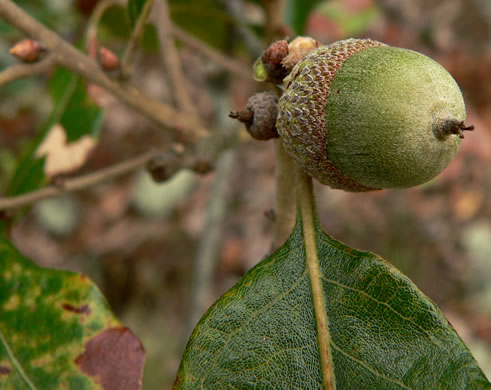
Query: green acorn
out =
(360, 115)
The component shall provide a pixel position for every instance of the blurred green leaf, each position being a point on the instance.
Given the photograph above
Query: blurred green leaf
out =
(28, 176)
(78, 114)
(384, 333)
(75, 111)
(205, 19)
(115, 22)
(350, 22)
(57, 331)
(297, 13)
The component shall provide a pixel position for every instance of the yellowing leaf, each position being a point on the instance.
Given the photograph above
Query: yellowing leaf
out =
(57, 331)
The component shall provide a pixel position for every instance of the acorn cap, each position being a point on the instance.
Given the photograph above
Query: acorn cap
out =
(360, 115)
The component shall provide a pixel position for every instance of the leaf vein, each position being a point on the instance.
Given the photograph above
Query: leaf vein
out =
(430, 336)
(15, 362)
(254, 315)
(369, 368)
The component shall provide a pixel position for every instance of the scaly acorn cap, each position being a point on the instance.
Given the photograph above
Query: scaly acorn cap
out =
(359, 115)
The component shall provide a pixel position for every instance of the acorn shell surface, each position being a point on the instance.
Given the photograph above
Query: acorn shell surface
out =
(359, 115)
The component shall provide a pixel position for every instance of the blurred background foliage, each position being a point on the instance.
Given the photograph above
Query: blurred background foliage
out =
(139, 240)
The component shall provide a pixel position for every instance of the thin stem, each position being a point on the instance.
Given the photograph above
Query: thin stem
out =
(77, 183)
(220, 59)
(96, 15)
(306, 206)
(128, 60)
(20, 71)
(285, 202)
(198, 157)
(236, 9)
(275, 9)
(170, 59)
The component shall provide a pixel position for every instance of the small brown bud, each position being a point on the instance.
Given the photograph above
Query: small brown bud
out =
(163, 167)
(259, 116)
(201, 166)
(275, 53)
(270, 63)
(108, 60)
(27, 50)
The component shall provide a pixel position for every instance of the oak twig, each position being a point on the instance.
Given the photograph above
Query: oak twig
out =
(170, 59)
(220, 59)
(128, 60)
(96, 16)
(236, 9)
(198, 157)
(20, 71)
(77, 183)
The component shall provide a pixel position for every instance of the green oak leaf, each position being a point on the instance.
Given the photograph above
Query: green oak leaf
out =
(206, 20)
(57, 331)
(383, 333)
(297, 13)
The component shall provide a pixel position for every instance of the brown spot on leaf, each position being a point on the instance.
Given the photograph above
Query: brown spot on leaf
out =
(114, 358)
(5, 370)
(84, 309)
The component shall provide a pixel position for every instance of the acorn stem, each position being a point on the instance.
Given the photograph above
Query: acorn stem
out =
(285, 197)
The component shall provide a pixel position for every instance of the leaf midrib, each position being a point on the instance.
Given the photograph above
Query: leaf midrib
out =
(305, 199)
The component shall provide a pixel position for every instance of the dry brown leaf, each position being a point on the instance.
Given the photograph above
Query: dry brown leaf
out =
(62, 157)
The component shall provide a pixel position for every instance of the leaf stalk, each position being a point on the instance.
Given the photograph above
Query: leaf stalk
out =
(306, 208)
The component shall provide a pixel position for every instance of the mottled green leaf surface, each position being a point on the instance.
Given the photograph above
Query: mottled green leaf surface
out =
(57, 331)
(75, 111)
(385, 334)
